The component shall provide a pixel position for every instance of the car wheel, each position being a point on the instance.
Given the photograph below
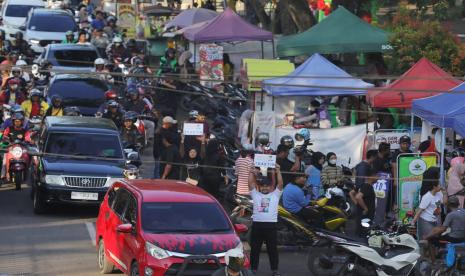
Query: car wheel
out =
(134, 269)
(104, 265)
(38, 202)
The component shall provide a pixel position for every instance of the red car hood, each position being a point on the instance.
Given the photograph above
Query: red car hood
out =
(195, 244)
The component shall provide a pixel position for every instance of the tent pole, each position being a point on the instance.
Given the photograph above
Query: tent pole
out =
(412, 119)
(443, 142)
(263, 52)
(272, 46)
(195, 53)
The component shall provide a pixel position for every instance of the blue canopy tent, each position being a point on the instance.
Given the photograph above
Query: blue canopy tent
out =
(316, 77)
(443, 111)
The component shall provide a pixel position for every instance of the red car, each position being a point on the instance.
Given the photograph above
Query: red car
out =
(162, 227)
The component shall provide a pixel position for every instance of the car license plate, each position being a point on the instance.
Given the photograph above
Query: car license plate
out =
(84, 196)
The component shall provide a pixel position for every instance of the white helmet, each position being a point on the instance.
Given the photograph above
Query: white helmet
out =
(99, 61)
(117, 39)
(234, 259)
(334, 191)
(21, 62)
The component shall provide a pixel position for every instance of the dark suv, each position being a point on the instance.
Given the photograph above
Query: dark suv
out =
(79, 159)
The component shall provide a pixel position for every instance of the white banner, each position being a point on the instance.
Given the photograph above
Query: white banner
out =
(389, 136)
(193, 129)
(264, 160)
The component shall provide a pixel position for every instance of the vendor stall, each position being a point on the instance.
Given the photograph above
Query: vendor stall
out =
(190, 17)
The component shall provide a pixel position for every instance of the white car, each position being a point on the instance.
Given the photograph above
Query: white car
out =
(47, 26)
(14, 13)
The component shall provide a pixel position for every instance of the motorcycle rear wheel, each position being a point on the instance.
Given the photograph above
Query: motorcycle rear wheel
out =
(18, 179)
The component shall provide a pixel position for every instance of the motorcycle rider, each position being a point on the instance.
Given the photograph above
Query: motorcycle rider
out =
(133, 102)
(117, 49)
(69, 38)
(12, 94)
(20, 45)
(365, 200)
(129, 133)
(288, 167)
(131, 172)
(100, 41)
(72, 111)
(4, 44)
(9, 121)
(56, 109)
(11, 58)
(168, 63)
(234, 259)
(102, 72)
(111, 29)
(35, 105)
(114, 113)
(21, 63)
(17, 73)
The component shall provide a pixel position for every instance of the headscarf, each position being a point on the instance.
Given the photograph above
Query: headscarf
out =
(329, 156)
(316, 158)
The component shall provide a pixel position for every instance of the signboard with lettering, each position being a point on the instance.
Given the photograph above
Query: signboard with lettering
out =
(192, 129)
(265, 160)
(211, 64)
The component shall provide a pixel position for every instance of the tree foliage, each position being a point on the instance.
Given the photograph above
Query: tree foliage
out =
(413, 39)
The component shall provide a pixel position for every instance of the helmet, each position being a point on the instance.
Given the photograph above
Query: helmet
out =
(19, 35)
(334, 191)
(69, 33)
(110, 95)
(404, 139)
(263, 138)
(132, 91)
(303, 133)
(193, 114)
(287, 141)
(136, 61)
(71, 111)
(117, 39)
(111, 18)
(16, 69)
(131, 172)
(17, 116)
(56, 98)
(113, 103)
(16, 109)
(99, 61)
(130, 116)
(170, 51)
(234, 259)
(21, 62)
(35, 92)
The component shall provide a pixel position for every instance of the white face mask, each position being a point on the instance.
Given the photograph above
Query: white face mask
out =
(132, 176)
(332, 161)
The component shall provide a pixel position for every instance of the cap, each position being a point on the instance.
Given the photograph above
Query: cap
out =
(169, 120)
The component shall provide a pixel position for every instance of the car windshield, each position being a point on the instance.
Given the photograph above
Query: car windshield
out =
(52, 23)
(73, 58)
(18, 10)
(79, 92)
(183, 217)
(84, 144)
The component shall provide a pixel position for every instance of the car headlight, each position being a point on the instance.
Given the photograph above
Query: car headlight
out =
(34, 41)
(16, 152)
(155, 251)
(112, 180)
(54, 179)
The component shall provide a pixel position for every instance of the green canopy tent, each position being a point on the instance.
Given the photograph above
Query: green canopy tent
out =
(340, 32)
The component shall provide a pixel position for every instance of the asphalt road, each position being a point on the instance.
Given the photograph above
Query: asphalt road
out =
(61, 243)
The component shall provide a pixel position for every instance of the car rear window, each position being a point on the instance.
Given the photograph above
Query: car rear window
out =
(79, 92)
(184, 217)
(18, 10)
(56, 23)
(73, 58)
(84, 144)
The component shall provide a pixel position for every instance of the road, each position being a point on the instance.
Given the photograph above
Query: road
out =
(60, 242)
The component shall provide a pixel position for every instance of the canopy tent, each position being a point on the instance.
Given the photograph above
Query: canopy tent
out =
(316, 77)
(441, 110)
(227, 27)
(190, 17)
(424, 79)
(459, 125)
(340, 32)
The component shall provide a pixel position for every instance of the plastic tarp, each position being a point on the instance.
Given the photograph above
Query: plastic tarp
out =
(228, 27)
(442, 110)
(256, 70)
(316, 77)
(424, 79)
(340, 32)
(190, 17)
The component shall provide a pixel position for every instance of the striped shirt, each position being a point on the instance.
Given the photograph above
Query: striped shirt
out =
(243, 167)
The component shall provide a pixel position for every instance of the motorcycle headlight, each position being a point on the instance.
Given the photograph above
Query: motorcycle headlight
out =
(155, 251)
(54, 180)
(34, 41)
(16, 152)
(112, 180)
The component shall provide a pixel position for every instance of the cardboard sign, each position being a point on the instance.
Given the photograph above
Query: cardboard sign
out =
(193, 129)
(265, 160)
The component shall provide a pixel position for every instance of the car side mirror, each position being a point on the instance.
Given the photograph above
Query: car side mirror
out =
(240, 228)
(125, 228)
(22, 28)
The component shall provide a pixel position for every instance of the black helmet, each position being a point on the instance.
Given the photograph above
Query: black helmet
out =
(71, 111)
(287, 141)
(35, 92)
(405, 139)
(113, 103)
(132, 91)
(56, 98)
(19, 35)
(263, 138)
(130, 116)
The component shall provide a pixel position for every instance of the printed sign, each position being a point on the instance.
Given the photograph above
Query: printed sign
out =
(382, 189)
(265, 160)
(211, 64)
(127, 19)
(410, 174)
(389, 137)
(193, 129)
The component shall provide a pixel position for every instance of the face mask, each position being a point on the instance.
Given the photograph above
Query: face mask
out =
(131, 176)
(332, 161)
(14, 87)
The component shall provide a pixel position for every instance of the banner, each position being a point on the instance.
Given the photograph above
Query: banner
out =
(382, 189)
(389, 136)
(211, 64)
(410, 174)
(127, 19)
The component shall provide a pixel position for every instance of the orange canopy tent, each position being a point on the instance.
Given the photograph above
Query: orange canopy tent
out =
(423, 80)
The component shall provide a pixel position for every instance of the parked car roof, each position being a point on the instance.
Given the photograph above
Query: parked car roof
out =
(72, 122)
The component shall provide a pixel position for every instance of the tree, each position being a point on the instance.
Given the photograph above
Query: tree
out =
(413, 39)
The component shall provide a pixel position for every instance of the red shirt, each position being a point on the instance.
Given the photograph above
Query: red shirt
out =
(35, 109)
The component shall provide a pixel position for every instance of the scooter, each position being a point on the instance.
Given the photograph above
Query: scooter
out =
(18, 162)
(396, 253)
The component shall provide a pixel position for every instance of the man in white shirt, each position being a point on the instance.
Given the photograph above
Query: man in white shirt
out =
(265, 216)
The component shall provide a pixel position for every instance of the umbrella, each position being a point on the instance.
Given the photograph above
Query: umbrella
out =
(190, 17)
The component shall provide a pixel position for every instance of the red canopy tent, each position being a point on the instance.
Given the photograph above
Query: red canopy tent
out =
(420, 81)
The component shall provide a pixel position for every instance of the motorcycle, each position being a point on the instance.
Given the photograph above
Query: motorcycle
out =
(18, 162)
(384, 253)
